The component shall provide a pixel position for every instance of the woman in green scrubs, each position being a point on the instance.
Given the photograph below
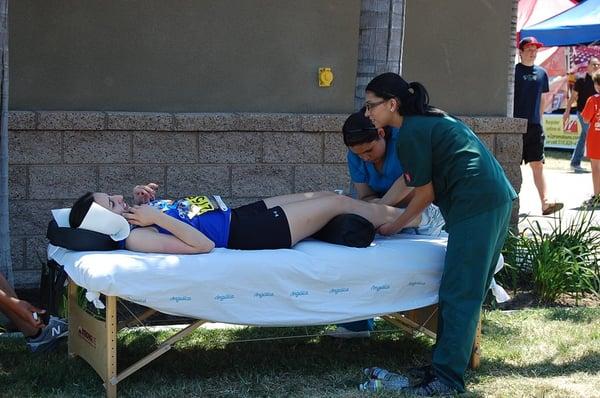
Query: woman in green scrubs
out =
(449, 166)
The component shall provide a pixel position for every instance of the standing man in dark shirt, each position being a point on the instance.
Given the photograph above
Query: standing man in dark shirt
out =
(583, 89)
(531, 82)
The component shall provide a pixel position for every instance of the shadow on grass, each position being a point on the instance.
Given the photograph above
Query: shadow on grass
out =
(576, 315)
(311, 356)
(496, 329)
(589, 363)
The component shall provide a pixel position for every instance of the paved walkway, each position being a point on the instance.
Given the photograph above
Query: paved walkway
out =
(563, 186)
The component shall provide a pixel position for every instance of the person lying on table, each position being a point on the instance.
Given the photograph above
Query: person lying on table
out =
(193, 225)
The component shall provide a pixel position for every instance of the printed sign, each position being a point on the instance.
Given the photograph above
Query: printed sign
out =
(559, 136)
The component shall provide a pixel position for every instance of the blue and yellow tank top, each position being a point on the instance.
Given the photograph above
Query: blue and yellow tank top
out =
(201, 213)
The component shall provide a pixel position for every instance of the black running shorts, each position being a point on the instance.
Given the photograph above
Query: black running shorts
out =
(254, 227)
(533, 144)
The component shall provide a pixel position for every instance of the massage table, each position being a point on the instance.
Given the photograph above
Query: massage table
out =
(315, 283)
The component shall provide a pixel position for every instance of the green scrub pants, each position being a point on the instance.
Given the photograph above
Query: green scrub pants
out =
(474, 245)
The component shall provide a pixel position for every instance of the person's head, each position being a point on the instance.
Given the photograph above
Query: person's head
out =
(596, 80)
(593, 65)
(388, 94)
(528, 49)
(80, 208)
(364, 139)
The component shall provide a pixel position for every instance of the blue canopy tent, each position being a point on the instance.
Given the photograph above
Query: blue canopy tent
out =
(577, 25)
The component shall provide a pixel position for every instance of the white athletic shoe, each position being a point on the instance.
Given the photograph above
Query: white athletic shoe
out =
(343, 333)
(432, 222)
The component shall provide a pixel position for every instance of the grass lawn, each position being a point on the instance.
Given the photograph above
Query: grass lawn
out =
(550, 352)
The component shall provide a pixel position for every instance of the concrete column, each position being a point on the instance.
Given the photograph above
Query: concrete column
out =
(511, 59)
(380, 42)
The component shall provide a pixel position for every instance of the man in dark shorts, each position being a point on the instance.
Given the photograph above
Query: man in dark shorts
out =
(531, 81)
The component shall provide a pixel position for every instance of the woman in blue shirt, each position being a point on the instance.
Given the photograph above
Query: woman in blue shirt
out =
(374, 167)
(377, 176)
(376, 171)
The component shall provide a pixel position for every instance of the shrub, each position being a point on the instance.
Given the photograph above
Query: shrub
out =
(563, 260)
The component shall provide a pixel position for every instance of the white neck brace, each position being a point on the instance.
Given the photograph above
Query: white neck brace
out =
(97, 219)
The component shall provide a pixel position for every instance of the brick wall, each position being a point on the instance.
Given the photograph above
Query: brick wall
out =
(57, 156)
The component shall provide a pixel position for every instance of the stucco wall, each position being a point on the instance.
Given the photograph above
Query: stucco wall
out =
(182, 55)
(57, 156)
(460, 50)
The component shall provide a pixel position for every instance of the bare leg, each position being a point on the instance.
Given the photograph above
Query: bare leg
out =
(308, 216)
(27, 329)
(295, 197)
(540, 182)
(596, 175)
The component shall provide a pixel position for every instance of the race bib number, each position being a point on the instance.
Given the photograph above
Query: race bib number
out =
(198, 205)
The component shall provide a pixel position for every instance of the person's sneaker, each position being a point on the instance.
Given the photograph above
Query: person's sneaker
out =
(344, 333)
(592, 203)
(579, 169)
(433, 387)
(432, 222)
(49, 336)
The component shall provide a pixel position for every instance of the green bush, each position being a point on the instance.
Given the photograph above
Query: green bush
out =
(561, 261)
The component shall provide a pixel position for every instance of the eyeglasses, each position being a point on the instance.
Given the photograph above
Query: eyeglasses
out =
(370, 105)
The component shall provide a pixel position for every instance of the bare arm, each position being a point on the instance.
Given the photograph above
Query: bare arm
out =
(545, 100)
(364, 192)
(185, 239)
(397, 192)
(573, 98)
(22, 310)
(423, 196)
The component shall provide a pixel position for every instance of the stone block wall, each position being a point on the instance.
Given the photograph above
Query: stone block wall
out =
(57, 156)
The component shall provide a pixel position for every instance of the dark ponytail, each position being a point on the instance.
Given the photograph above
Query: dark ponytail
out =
(80, 209)
(413, 97)
(417, 103)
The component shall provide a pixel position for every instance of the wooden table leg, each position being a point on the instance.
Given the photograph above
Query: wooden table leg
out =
(476, 353)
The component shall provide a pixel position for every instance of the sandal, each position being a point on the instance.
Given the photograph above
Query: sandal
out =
(552, 208)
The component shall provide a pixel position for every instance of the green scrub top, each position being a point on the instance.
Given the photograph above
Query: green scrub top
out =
(467, 179)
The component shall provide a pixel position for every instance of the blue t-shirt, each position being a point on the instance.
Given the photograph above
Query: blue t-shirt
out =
(530, 83)
(365, 172)
(200, 213)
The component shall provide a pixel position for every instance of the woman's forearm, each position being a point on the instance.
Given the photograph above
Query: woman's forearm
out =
(184, 232)
(397, 192)
(423, 196)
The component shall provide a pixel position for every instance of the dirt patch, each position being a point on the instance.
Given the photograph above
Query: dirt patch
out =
(527, 299)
